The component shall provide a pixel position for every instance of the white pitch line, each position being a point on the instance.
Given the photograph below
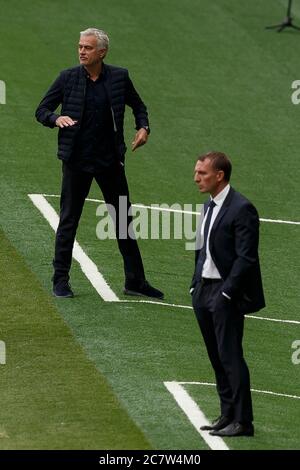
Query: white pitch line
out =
(194, 414)
(164, 209)
(279, 221)
(95, 277)
(254, 317)
(155, 303)
(142, 206)
(188, 307)
(266, 392)
(88, 267)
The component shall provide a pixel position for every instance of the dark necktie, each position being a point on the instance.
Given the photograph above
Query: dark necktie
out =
(202, 254)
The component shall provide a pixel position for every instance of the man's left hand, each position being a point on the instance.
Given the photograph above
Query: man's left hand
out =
(140, 138)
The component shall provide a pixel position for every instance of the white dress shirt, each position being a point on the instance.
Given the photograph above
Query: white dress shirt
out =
(209, 268)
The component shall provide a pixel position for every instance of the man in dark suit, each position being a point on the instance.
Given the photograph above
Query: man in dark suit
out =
(91, 145)
(226, 285)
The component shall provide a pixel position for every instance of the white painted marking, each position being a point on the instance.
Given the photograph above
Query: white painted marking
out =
(188, 307)
(2, 352)
(3, 433)
(155, 303)
(163, 209)
(95, 277)
(2, 92)
(194, 414)
(255, 317)
(88, 267)
(279, 221)
(266, 392)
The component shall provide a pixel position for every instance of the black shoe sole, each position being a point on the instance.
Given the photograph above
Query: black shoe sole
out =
(214, 428)
(246, 434)
(133, 292)
(232, 435)
(68, 296)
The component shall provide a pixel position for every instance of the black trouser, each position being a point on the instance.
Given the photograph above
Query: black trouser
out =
(222, 329)
(75, 188)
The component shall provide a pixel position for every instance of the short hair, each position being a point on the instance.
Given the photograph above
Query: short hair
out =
(101, 36)
(219, 161)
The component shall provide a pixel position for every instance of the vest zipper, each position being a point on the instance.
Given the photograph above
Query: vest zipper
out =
(82, 109)
(113, 118)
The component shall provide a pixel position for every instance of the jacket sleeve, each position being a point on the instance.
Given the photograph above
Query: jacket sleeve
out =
(194, 281)
(133, 100)
(52, 99)
(246, 248)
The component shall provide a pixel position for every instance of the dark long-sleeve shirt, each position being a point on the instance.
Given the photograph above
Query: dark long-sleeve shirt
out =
(94, 145)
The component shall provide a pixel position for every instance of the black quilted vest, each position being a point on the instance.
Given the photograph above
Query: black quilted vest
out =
(73, 104)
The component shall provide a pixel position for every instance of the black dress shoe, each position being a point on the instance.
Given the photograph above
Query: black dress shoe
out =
(235, 429)
(142, 288)
(62, 289)
(219, 423)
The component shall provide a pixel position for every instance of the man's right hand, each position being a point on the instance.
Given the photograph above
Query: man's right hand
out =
(65, 121)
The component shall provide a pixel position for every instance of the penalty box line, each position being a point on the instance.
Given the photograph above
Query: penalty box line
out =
(93, 274)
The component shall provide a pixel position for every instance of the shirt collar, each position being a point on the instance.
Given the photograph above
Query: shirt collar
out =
(102, 74)
(220, 198)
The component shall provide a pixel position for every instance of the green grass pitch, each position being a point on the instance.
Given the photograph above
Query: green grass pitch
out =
(88, 374)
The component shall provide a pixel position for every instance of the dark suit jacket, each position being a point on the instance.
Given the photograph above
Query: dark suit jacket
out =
(233, 245)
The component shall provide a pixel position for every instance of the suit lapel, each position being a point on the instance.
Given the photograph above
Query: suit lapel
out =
(221, 213)
(199, 236)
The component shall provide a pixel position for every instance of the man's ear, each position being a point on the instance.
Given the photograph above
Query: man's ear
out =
(220, 175)
(102, 53)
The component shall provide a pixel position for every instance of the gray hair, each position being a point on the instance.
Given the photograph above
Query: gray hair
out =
(102, 38)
